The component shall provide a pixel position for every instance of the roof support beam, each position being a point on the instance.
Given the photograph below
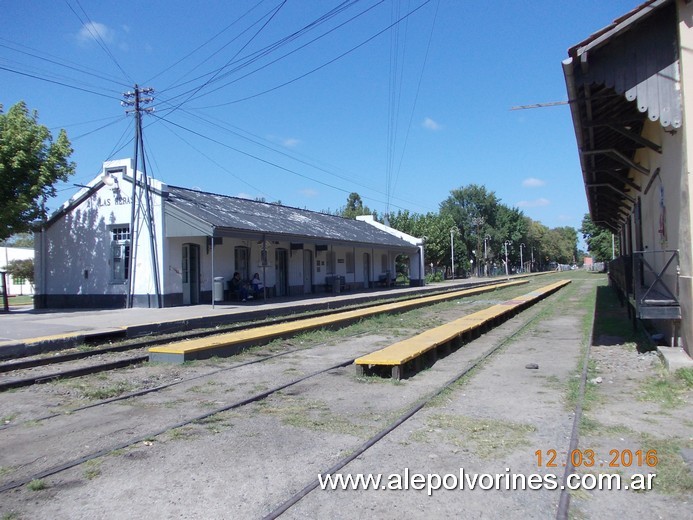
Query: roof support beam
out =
(618, 156)
(636, 138)
(621, 178)
(612, 187)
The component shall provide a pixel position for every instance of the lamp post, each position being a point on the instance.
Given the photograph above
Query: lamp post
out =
(477, 222)
(506, 244)
(486, 239)
(522, 265)
(452, 251)
(532, 249)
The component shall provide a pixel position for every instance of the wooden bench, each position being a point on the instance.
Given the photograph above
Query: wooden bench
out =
(425, 347)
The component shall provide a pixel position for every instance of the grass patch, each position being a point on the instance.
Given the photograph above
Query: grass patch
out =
(181, 434)
(7, 419)
(92, 469)
(37, 485)
(667, 389)
(673, 475)
(485, 438)
(312, 415)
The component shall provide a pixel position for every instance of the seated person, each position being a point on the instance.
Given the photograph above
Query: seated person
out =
(257, 285)
(238, 287)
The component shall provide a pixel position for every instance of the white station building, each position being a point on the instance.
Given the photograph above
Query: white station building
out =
(187, 244)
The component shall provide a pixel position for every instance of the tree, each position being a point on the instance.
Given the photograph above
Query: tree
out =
(599, 240)
(20, 240)
(354, 207)
(31, 162)
(19, 269)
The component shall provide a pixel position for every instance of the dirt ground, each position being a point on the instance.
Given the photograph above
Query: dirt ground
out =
(245, 462)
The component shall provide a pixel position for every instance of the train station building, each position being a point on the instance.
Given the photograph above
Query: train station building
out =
(115, 244)
(630, 88)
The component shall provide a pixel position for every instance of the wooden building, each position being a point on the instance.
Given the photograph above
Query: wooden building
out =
(630, 87)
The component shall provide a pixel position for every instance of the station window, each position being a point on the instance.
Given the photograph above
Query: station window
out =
(120, 253)
(350, 268)
(331, 262)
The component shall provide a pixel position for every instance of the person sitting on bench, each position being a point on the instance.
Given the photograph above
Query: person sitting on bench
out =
(257, 286)
(238, 287)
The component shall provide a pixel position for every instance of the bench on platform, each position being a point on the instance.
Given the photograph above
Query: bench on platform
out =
(426, 347)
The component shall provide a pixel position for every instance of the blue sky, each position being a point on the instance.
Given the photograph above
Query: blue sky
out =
(400, 116)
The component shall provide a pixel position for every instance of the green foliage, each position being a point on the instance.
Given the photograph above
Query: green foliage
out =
(354, 207)
(31, 162)
(21, 269)
(599, 240)
(19, 240)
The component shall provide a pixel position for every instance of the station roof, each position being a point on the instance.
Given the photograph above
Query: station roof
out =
(221, 215)
(617, 79)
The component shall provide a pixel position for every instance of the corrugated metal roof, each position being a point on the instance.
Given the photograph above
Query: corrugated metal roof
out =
(232, 215)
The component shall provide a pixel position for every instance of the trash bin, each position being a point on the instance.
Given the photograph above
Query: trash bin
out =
(336, 285)
(218, 288)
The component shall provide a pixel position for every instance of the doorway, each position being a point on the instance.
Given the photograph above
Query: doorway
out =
(366, 270)
(307, 271)
(191, 274)
(281, 272)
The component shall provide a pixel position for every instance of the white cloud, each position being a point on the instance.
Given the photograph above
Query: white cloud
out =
(430, 124)
(290, 142)
(94, 30)
(533, 182)
(533, 203)
(308, 192)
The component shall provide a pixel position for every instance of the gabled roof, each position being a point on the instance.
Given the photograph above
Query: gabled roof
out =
(231, 216)
(617, 79)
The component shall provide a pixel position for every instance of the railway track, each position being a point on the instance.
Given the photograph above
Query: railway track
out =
(274, 391)
(22, 372)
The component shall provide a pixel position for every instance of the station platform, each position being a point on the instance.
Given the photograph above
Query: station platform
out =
(28, 331)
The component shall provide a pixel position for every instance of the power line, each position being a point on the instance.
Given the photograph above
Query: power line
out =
(56, 82)
(66, 63)
(248, 60)
(265, 161)
(195, 91)
(96, 36)
(323, 65)
(257, 141)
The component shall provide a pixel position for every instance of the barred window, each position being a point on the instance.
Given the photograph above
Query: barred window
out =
(121, 233)
(120, 254)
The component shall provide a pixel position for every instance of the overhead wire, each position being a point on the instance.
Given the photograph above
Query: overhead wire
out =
(54, 60)
(253, 57)
(260, 159)
(322, 66)
(257, 140)
(58, 83)
(416, 97)
(89, 26)
(177, 83)
(199, 88)
(217, 164)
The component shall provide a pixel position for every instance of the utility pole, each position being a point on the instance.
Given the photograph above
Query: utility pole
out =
(141, 203)
(506, 244)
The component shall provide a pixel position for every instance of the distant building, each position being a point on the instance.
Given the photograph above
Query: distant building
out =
(16, 286)
(85, 251)
(630, 87)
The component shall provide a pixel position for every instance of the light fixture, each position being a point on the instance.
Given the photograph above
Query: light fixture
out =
(108, 179)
